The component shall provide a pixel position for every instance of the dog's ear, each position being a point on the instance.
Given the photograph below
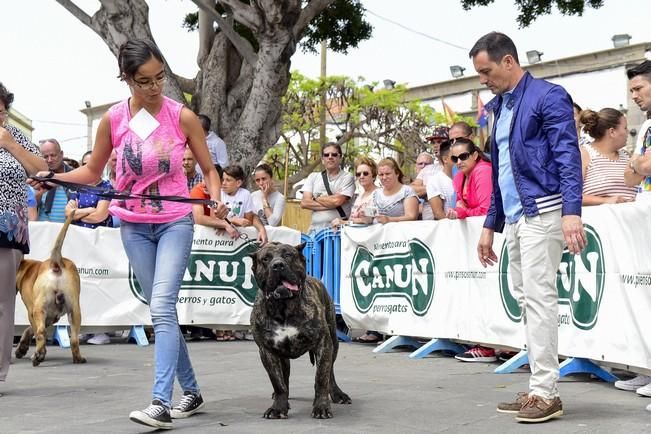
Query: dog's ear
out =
(300, 247)
(254, 256)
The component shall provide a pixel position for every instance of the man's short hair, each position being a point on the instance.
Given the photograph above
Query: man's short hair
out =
(205, 122)
(464, 127)
(332, 145)
(496, 45)
(55, 141)
(444, 150)
(643, 69)
(429, 156)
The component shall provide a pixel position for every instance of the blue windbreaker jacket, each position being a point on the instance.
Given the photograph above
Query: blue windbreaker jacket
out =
(544, 150)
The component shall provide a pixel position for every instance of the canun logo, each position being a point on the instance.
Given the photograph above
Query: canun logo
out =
(409, 275)
(215, 271)
(579, 281)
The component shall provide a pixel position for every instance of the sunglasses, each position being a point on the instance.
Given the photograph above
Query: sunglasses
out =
(362, 174)
(331, 154)
(461, 157)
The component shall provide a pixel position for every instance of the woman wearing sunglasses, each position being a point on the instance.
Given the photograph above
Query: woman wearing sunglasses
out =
(472, 183)
(365, 173)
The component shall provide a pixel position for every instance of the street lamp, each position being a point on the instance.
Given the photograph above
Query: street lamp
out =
(457, 71)
(388, 83)
(89, 125)
(621, 40)
(533, 56)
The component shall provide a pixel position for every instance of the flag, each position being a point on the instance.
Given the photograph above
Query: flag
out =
(449, 113)
(482, 121)
(482, 114)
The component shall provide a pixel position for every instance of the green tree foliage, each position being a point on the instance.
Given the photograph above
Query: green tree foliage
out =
(363, 118)
(530, 10)
(342, 24)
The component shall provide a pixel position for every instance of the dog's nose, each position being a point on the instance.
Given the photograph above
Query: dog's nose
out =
(278, 265)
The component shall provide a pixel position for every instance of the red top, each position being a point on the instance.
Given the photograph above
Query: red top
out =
(477, 198)
(199, 191)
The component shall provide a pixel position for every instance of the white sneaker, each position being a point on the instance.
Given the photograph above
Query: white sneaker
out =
(100, 339)
(648, 407)
(633, 383)
(644, 390)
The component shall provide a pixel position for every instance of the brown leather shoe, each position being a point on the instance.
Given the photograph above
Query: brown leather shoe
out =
(513, 407)
(537, 410)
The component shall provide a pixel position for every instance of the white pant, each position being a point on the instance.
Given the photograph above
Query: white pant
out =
(535, 246)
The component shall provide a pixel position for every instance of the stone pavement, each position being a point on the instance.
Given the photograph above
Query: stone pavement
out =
(390, 393)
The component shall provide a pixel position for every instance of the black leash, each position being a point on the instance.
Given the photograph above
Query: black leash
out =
(109, 193)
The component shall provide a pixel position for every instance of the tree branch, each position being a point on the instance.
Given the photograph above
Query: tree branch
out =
(313, 8)
(76, 11)
(187, 85)
(241, 45)
(243, 14)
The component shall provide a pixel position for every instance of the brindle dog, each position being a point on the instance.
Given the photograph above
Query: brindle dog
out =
(292, 315)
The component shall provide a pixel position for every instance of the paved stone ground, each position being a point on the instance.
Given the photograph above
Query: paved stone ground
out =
(390, 394)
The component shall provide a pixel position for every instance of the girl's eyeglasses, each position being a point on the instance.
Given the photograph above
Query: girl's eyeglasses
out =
(362, 174)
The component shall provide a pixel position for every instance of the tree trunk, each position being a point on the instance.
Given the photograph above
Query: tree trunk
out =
(242, 98)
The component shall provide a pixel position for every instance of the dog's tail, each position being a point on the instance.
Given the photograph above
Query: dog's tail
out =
(56, 260)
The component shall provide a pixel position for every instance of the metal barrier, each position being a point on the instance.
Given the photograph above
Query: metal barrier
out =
(323, 261)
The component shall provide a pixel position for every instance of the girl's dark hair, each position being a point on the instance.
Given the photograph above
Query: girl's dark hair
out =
(235, 171)
(6, 97)
(470, 147)
(391, 162)
(264, 167)
(596, 124)
(134, 53)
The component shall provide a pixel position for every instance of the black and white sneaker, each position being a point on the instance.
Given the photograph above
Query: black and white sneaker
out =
(156, 415)
(189, 405)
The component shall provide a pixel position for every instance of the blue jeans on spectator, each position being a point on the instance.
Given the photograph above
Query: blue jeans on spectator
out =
(159, 255)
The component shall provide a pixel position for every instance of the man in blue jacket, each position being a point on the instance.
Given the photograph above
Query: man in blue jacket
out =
(536, 200)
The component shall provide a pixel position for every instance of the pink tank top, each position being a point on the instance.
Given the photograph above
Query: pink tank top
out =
(150, 166)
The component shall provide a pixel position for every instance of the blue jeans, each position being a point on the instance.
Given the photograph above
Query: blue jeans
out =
(159, 255)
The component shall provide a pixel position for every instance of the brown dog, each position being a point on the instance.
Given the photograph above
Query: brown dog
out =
(49, 290)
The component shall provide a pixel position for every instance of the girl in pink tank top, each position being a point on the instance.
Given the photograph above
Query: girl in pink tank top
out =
(149, 133)
(152, 165)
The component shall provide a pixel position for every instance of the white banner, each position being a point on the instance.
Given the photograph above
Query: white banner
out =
(424, 279)
(218, 287)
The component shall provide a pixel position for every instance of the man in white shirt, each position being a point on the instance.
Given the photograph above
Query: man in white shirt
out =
(327, 206)
(440, 191)
(426, 167)
(216, 145)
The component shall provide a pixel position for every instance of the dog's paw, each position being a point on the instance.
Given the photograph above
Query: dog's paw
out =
(322, 411)
(20, 352)
(37, 358)
(79, 360)
(341, 398)
(273, 413)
